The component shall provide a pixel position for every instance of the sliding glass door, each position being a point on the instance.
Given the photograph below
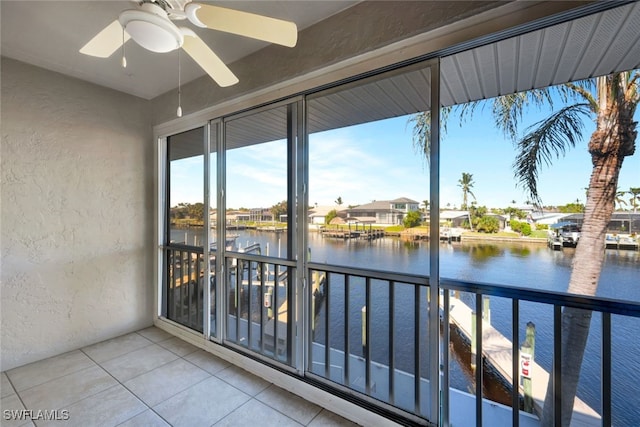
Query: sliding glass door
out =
(303, 230)
(185, 230)
(260, 266)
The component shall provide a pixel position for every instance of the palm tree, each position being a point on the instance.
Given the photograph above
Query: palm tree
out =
(635, 197)
(611, 102)
(619, 201)
(466, 182)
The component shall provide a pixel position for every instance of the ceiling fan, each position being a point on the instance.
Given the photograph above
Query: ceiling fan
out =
(151, 26)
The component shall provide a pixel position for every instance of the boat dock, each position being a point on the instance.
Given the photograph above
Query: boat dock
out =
(621, 242)
(451, 234)
(340, 233)
(497, 351)
(618, 242)
(272, 229)
(554, 243)
(413, 234)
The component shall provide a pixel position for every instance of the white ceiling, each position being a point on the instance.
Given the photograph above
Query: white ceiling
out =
(49, 34)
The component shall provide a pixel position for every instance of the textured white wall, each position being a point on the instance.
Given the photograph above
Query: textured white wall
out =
(76, 214)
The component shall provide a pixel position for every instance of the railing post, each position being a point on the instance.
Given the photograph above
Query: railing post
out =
(531, 337)
(486, 311)
(364, 330)
(473, 339)
(526, 363)
(269, 302)
(527, 357)
(314, 286)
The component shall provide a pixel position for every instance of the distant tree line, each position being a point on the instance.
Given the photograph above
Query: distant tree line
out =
(192, 211)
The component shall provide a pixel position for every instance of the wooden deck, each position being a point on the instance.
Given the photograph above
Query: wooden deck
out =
(496, 349)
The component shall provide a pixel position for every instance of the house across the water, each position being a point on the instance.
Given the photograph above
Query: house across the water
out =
(389, 212)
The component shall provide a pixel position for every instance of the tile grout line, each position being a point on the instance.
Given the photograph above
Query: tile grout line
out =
(138, 349)
(251, 397)
(55, 378)
(178, 392)
(59, 378)
(132, 393)
(231, 366)
(99, 365)
(277, 410)
(178, 357)
(164, 364)
(119, 383)
(220, 420)
(261, 402)
(316, 415)
(150, 407)
(15, 391)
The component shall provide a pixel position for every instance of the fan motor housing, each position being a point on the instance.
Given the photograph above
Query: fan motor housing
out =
(151, 28)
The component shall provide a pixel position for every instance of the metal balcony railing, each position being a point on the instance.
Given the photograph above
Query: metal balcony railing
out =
(259, 298)
(603, 308)
(369, 334)
(185, 285)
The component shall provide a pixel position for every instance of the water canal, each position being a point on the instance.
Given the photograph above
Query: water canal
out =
(510, 264)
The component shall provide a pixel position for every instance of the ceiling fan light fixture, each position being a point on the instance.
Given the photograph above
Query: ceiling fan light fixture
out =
(151, 28)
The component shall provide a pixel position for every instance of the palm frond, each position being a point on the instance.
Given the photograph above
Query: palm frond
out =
(582, 89)
(508, 110)
(633, 77)
(633, 91)
(465, 111)
(616, 84)
(421, 123)
(422, 134)
(546, 140)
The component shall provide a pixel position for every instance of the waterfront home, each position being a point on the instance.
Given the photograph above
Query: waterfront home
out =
(625, 222)
(452, 218)
(386, 212)
(109, 321)
(548, 218)
(502, 220)
(260, 215)
(234, 216)
(318, 214)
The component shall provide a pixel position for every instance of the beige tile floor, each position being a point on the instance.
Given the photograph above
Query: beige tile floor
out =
(149, 378)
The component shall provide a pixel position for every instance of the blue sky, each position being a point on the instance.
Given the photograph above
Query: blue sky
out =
(377, 161)
(388, 167)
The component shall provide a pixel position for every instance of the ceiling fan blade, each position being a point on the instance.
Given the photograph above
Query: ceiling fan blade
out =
(106, 41)
(207, 59)
(246, 24)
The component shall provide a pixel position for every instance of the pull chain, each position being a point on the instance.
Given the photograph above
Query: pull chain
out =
(179, 112)
(124, 51)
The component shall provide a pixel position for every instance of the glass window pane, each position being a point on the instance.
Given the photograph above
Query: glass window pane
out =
(368, 209)
(213, 217)
(184, 290)
(186, 188)
(368, 184)
(257, 183)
